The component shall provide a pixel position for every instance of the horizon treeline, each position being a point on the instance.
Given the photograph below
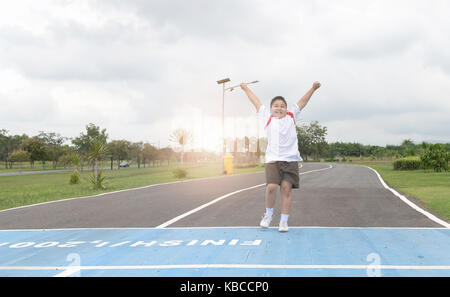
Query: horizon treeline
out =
(51, 147)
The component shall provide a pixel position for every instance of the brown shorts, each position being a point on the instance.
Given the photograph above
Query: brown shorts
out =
(281, 170)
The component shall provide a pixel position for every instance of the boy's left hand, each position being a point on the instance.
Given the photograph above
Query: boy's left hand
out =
(316, 85)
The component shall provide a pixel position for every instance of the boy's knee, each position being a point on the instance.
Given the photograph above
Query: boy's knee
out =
(286, 186)
(272, 188)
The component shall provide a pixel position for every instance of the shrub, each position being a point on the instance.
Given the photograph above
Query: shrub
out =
(180, 172)
(74, 178)
(408, 163)
(435, 156)
(98, 184)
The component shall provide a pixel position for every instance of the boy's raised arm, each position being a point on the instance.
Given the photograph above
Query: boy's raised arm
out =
(251, 96)
(304, 100)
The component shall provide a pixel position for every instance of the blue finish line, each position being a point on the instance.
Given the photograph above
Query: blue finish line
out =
(190, 252)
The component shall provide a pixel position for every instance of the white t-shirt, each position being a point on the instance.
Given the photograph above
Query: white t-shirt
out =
(281, 135)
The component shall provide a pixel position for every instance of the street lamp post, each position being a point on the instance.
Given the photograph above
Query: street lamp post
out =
(222, 82)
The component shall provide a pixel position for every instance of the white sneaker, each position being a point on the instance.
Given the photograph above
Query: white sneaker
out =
(265, 222)
(283, 226)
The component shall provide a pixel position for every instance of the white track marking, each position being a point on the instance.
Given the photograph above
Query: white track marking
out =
(258, 266)
(68, 271)
(414, 206)
(315, 170)
(170, 222)
(213, 227)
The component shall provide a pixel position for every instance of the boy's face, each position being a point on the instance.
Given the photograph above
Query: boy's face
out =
(278, 109)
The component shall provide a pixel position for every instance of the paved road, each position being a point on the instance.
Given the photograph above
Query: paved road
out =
(343, 196)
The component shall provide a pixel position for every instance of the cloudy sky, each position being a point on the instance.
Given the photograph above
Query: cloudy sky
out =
(143, 68)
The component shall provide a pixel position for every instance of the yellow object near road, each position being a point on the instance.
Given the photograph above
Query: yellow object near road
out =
(228, 164)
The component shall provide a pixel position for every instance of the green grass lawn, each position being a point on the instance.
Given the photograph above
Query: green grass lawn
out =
(31, 189)
(431, 188)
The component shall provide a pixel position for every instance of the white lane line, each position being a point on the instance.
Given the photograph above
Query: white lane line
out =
(73, 269)
(68, 271)
(170, 222)
(266, 266)
(414, 206)
(215, 227)
(330, 166)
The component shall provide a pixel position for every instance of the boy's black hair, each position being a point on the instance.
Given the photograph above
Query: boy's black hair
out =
(277, 98)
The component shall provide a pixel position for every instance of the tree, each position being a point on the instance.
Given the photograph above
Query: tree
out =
(19, 156)
(166, 154)
(65, 159)
(37, 149)
(436, 157)
(97, 150)
(118, 150)
(54, 143)
(9, 144)
(409, 147)
(304, 141)
(247, 144)
(258, 150)
(83, 141)
(311, 140)
(149, 153)
(181, 137)
(4, 146)
(136, 149)
(317, 135)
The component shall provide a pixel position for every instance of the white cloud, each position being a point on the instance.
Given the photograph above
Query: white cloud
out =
(134, 66)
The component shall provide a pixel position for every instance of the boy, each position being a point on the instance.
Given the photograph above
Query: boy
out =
(282, 155)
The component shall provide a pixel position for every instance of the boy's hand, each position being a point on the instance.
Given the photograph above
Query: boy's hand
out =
(316, 85)
(243, 86)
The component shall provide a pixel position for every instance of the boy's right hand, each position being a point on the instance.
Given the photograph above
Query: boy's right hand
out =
(316, 85)
(243, 86)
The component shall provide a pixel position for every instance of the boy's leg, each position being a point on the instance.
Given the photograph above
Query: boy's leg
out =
(273, 180)
(285, 205)
(289, 181)
(271, 195)
(286, 193)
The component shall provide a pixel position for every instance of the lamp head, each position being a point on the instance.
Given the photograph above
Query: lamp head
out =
(222, 81)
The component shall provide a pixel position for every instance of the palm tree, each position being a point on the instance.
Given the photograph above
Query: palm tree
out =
(97, 150)
(181, 137)
(408, 145)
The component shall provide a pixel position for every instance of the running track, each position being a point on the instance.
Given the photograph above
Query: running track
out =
(343, 222)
